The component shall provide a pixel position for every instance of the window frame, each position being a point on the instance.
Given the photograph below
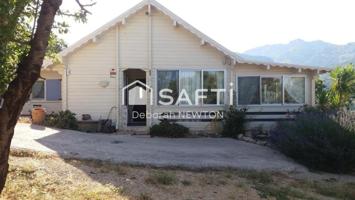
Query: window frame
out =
(189, 69)
(45, 92)
(282, 90)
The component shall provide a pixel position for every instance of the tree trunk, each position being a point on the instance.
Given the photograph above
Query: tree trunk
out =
(19, 89)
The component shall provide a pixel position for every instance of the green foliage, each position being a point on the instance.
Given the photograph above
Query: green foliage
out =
(322, 94)
(167, 129)
(343, 86)
(234, 122)
(63, 120)
(17, 27)
(10, 14)
(162, 178)
(320, 140)
(341, 91)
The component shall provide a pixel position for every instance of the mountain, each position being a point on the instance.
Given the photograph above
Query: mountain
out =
(314, 53)
(256, 58)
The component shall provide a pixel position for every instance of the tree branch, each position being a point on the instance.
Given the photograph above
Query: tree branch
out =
(83, 6)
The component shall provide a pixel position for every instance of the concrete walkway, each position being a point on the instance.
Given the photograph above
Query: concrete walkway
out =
(186, 152)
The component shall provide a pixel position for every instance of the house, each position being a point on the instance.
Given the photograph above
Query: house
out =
(152, 45)
(47, 91)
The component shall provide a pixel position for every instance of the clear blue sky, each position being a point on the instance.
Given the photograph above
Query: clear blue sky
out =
(243, 24)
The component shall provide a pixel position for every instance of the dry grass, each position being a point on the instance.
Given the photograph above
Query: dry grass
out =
(40, 176)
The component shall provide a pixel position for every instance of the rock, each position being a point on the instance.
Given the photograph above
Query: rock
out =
(240, 136)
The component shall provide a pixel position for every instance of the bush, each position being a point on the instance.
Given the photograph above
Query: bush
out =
(319, 140)
(167, 129)
(63, 119)
(162, 178)
(234, 122)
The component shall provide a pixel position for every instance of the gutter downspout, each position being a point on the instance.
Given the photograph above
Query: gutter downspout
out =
(150, 59)
(66, 73)
(118, 72)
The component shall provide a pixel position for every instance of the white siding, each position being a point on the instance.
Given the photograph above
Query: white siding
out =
(176, 46)
(133, 42)
(87, 68)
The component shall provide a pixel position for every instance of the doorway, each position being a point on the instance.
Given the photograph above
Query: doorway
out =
(135, 97)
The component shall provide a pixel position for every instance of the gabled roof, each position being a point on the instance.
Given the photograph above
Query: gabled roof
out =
(120, 19)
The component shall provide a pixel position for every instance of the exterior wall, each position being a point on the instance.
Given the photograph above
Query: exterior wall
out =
(133, 41)
(87, 69)
(176, 46)
(50, 106)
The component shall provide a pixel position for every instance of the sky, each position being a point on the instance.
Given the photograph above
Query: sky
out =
(241, 24)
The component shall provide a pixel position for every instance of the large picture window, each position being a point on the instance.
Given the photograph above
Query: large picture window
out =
(168, 80)
(191, 81)
(255, 90)
(294, 90)
(249, 90)
(271, 90)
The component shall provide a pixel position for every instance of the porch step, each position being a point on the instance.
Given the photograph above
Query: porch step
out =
(135, 130)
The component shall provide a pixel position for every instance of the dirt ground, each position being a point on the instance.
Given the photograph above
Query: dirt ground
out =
(43, 176)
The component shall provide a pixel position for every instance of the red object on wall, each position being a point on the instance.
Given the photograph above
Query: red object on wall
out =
(113, 72)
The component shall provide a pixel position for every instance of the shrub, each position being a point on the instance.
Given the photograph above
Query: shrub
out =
(63, 119)
(167, 129)
(319, 140)
(162, 178)
(234, 122)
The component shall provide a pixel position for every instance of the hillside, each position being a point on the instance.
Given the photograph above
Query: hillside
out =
(314, 53)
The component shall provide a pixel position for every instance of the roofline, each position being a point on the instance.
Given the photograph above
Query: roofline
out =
(235, 58)
(288, 65)
(163, 9)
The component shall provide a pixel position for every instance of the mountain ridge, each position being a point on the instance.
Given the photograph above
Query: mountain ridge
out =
(314, 53)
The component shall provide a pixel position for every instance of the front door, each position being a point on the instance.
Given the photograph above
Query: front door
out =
(135, 97)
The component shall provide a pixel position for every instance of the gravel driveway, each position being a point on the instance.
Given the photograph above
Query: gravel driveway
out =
(185, 152)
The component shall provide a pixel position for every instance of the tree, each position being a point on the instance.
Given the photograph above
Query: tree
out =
(322, 95)
(341, 90)
(343, 85)
(26, 37)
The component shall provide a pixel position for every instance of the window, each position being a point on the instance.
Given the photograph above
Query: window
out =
(213, 80)
(294, 90)
(255, 90)
(190, 81)
(49, 90)
(53, 90)
(271, 90)
(249, 90)
(38, 90)
(168, 80)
